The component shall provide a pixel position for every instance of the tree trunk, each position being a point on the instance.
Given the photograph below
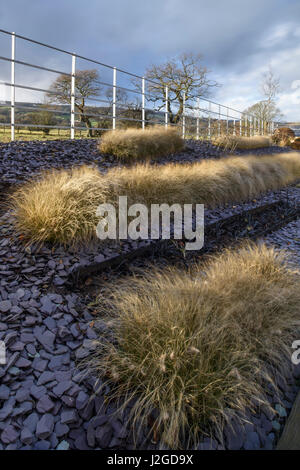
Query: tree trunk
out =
(87, 123)
(179, 112)
(85, 119)
(171, 114)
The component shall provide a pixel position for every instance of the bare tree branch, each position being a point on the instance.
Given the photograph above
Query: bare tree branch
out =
(266, 110)
(86, 86)
(270, 85)
(184, 75)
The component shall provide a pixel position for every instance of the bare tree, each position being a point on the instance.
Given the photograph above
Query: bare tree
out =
(86, 86)
(266, 109)
(42, 119)
(184, 75)
(270, 85)
(129, 112)
(131, 116)
(121, 96)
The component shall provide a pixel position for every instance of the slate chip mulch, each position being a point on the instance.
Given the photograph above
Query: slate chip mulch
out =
(46, 402)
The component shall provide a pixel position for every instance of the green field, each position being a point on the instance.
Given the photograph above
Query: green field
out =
(26, 135)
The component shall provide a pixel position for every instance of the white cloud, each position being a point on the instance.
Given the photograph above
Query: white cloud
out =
(295, 84)
(238, 39)
(4, 93)
(276, 34)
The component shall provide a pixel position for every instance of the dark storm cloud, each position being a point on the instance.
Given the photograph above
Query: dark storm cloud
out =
(238, 38)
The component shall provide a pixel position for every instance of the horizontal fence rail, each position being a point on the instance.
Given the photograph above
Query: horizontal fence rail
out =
(73, 114)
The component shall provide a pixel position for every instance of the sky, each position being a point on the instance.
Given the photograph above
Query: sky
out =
(238, 40)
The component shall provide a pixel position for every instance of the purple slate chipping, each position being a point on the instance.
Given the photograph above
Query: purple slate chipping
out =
(5, 306)
(81, 400)
(26, 436)
(68, 417)
(62, 387)
(9, 435)
(45, 426)
(31, 421)
(4, 392)
(46, 339)
(44, 405)
(46, 377)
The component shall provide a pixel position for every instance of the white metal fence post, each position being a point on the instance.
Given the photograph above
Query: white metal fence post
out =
(197, 119)
(227, 122)
(183, 117)
(114, 98)
(143, 103)
(12, 88)
(219, 122)
(73, 96)
(209, 130)
(166, 106)
(240, 125)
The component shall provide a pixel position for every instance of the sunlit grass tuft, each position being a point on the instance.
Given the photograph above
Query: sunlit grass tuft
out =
(200, 346)
(61, 206)
(136, 144)
(232, 142)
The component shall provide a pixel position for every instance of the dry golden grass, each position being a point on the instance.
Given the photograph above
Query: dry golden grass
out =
(199, 346)
(232, 142)
(136, 144)
(61, 206)
(283, 136)
(295, 144)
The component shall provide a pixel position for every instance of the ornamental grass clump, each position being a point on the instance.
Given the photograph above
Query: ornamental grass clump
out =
(60, 207)
(196, 348)
(235, 142)
(131, 145)
(283, 136)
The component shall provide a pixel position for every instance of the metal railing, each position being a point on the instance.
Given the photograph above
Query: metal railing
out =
(200, 118)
